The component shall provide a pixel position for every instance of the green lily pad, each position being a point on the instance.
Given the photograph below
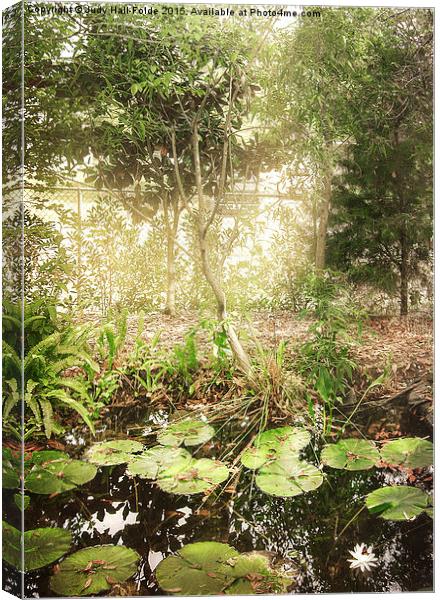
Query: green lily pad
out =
(397, 502)
(193, 477)
(190, 432)
(212, 568)
(115, 452)
(41, 456)
(93, 570)
(147, 464)
(351, 454)
(56, 476)
(411, 453)
(288, 478)
(11, 469)
(41, 546)
(254, 458)
(289, 438)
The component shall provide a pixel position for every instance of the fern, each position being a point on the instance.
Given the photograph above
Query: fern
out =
(11, 358)
(11, 399)
(33, 402)
(48, 420)
(76, 385)
(63, 397)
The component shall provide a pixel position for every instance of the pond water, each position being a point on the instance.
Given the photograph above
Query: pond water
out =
(307, 535)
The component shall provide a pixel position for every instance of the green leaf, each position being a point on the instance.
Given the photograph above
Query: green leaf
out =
(114, 452)
(286, 478)
(41, 456)
(253, 458)
(148, 464)
(11, 469)
(93, 570)
(289, 438)
(41, 546)
(22, 501)
(411, 453)
(193, 477)
(397, 502)
(60, 475)
(190, 432)
(213, 568)
(350, 454)
(80, 409)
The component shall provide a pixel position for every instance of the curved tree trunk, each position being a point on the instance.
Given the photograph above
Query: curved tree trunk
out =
(203, 223)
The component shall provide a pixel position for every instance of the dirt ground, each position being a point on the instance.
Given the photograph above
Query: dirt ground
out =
(406, 345)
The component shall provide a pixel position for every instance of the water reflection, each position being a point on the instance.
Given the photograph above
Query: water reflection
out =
(310, 535)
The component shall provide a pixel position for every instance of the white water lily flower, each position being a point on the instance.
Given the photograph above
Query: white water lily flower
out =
(363, 558)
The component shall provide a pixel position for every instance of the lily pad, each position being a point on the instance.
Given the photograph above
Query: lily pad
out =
(11, 469)
(289, 438)
(286, 478)
(397, 502)
(115, 452)
(351, 455)
(147, 464)
(41, 456)
(411, 453)
(93, 570)
(254, 458)
(193, 477)
(41, 546)
(212, 568)
(56, 476)
(190, 432)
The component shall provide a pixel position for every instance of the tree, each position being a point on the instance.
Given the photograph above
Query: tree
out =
(312, 69)
(382, 216)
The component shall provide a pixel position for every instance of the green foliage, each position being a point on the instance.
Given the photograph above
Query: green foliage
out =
(11, 470)
(324, 360)
(148, 464)
(46, 262)
(397, 502)
(41, 546)
(213, 568)
(199, 475)
(350, 454)
(58, 475)
(382, 215)
(410, 453)
(287, 478)
(49, 351)
(93, 570)
(114, 452)
(189, 432)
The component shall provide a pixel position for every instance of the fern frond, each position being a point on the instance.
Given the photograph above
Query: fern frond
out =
(77, 385)
(80, 409)
(34, 406)
(10, 354)
(47, 410)
(12, 398)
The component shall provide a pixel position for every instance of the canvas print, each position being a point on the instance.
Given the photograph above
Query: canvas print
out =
(217, 299)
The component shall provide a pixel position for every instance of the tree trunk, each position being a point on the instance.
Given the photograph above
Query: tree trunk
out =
(171, 233)
(321, 237)
(203, 222)
(170, 306)
(403, 276)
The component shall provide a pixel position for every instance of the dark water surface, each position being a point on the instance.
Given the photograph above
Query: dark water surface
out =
(304, 534)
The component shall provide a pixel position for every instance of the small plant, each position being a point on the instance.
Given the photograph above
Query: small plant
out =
(324, 360)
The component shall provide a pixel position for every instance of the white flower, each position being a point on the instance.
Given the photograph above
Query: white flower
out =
(363, 558)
